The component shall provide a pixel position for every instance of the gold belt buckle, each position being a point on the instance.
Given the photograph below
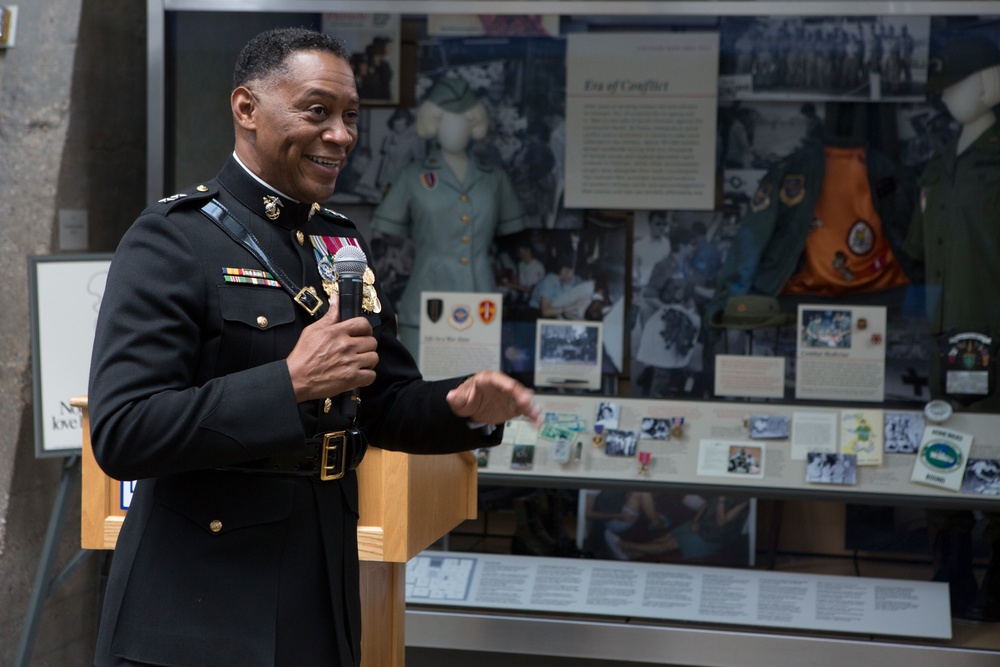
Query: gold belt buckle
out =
(331, 442)
(308, 293)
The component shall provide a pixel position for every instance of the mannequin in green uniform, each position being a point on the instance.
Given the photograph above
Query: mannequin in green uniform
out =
(956, 232)
(451, 204)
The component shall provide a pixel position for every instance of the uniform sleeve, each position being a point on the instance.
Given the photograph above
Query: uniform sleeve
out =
(739, 271)
(512, 218)
(154, 409)
(393, 215)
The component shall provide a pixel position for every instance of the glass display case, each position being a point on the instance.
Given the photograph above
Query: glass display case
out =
(755, 258)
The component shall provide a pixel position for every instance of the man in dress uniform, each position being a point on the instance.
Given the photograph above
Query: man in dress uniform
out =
(231, 401)
(956, 232)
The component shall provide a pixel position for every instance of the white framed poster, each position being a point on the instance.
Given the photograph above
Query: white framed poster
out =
(66, 293)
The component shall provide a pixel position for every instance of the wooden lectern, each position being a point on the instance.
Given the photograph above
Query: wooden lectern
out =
(407, 503)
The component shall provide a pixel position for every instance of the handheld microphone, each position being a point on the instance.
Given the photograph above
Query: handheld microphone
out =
(349, 264)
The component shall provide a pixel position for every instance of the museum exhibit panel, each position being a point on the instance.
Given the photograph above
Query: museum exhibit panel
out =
(744, 252)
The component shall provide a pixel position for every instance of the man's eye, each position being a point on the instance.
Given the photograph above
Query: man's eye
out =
(318, 110)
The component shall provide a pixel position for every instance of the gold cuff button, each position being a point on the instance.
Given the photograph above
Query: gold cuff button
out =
(262, 321)
(215, 526)
(202, 188)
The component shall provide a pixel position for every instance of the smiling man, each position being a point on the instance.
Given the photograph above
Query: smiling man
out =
(218, 380)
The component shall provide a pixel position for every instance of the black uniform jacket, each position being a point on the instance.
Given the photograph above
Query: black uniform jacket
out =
(218, 567)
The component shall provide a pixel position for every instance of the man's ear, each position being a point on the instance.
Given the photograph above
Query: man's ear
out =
(244, 106)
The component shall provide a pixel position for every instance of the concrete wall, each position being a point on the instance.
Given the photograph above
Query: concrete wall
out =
(72, 136)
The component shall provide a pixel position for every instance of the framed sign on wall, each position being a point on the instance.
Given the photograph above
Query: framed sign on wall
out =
(66, 293)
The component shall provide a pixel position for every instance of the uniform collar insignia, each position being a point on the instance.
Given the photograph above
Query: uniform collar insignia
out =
(272, 207)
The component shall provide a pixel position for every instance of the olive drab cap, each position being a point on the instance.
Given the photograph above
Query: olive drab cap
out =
(452, 94)
(961, 57)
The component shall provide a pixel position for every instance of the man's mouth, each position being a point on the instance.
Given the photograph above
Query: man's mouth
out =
(325, 162)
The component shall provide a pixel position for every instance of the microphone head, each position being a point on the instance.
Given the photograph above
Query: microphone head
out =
(350, 260)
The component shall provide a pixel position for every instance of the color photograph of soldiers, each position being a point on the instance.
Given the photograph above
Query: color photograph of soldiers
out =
(862, 58)
(745, 460)
(826, 328)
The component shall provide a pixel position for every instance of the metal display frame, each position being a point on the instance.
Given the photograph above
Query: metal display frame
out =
(613, 639)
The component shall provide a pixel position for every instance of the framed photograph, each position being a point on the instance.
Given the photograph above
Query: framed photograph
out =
(65, 296)
(568, 354)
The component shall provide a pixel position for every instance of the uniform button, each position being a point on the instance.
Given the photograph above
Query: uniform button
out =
(465, 197)
(465, 239)
(300, 237)
(262, 321)
(215, 526)
(464, 260)
(202, 188)
(465, 218)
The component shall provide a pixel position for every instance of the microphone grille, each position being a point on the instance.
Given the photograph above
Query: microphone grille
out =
(350, 260)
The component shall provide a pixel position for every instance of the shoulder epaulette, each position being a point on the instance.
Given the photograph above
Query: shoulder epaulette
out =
(197, 193)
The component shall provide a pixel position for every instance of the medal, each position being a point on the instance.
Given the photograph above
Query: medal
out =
(676, 427)
(324, 248)
(644, 460)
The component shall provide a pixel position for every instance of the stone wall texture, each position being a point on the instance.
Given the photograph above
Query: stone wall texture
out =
(72, 136)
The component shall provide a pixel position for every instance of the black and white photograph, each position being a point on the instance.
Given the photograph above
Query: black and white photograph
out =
(754, 136)
(568, 343)
(618, 442)
(769, 427)
(387, 142)
(374, 43)
(677, 256)
(522, 457)
(607, 415)
(863, 58)
(903, 432)
(982, 476)
(831, 468)
(654, 428)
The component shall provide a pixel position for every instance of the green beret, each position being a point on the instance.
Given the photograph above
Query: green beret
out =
(452, 94)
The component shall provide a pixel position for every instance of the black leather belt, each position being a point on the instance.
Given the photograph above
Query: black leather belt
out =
(326, 457)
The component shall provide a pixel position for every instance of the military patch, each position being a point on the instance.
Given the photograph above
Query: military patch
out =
(861, 238)
(487, 310)
(793, 190)
(429, 179)
(761, 198)
(460, 318)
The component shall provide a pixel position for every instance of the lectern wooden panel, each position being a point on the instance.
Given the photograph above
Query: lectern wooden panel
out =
(407, 502)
